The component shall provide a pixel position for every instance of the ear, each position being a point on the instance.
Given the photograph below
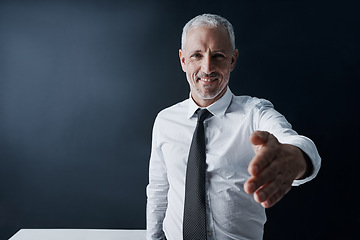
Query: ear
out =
(182, 59)
(233, 59)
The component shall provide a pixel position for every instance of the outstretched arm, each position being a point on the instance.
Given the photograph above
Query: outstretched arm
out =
(274, 168)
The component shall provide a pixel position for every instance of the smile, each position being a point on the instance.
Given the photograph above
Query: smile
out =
(207, 79)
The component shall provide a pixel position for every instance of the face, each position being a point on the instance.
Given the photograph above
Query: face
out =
(207, 59)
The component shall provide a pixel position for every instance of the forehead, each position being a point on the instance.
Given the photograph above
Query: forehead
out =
(203, 38)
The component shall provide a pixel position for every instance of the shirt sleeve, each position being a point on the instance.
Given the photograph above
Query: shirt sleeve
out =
(157, 189)
(268, 119)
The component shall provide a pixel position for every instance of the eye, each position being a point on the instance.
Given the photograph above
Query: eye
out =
(219, 56)
(196, 55)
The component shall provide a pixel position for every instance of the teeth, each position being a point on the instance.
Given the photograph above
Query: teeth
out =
(205, 80)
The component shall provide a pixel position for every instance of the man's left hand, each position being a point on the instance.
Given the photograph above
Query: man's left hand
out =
(273, 169)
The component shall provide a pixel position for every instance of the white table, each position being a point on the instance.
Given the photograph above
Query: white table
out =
(78, 234)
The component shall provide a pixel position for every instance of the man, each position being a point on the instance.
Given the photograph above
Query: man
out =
(253, 157)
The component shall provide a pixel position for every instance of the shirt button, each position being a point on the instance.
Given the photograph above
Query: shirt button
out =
(209, 233)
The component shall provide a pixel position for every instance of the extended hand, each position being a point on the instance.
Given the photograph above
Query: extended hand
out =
(273, 168)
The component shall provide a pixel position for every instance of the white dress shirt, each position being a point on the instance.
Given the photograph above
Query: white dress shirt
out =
(231, 213)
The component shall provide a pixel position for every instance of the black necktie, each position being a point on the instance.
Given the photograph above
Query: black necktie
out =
(194, 225)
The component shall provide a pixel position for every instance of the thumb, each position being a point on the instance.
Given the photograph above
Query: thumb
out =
(259, 138)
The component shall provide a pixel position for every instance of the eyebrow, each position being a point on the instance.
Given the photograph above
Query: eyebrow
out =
(195, 51)
(215, 51)
(220, 50)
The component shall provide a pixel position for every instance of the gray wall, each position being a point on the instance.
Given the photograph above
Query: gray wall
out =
(82, 81)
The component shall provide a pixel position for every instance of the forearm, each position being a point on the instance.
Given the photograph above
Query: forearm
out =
(157, 190)
(157, 198)
(155, 212)
(272, 121)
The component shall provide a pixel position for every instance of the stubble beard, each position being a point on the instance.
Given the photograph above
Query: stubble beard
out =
(210, 95)
(207, 95)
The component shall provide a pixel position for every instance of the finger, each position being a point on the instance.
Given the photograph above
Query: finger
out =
(269, 174)
(259, 137)
(267, 190)
(279, 185)
(261, 160)
(265, 154)
(276, 197)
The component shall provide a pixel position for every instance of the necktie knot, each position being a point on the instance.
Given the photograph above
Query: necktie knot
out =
(202, 114)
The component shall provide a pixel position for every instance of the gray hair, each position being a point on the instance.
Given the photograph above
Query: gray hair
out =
(208, 20)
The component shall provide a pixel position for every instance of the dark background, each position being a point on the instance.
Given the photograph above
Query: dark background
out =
(82, 81)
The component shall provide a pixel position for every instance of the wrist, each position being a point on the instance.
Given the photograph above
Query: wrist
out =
(297, 159)
(309, 168)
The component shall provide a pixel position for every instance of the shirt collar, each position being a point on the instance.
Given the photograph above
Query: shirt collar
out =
(217, 109)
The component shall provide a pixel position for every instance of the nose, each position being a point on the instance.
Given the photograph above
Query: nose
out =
(207, 65)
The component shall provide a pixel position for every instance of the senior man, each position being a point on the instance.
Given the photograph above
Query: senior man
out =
(218, 160)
